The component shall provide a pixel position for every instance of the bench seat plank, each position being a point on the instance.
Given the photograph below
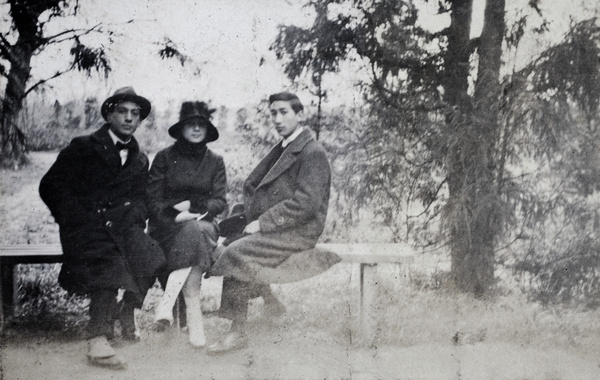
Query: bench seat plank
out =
(365, 253)
(371, 253)
(20, 250)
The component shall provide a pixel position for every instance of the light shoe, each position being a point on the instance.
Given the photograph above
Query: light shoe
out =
(98, 347)
(101, 354)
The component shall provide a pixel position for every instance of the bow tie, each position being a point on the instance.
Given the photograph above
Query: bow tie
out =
(121, 146)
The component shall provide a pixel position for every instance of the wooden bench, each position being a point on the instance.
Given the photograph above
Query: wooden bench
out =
(12, 255)
(367, 256)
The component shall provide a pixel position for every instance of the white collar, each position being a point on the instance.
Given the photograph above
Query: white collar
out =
(116, 138)
(288, 140)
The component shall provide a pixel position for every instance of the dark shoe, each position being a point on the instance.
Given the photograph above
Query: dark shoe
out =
(111, 362)
(130, 336)
(233, 340)
(127, 319)
(273, 309)
(161, 325)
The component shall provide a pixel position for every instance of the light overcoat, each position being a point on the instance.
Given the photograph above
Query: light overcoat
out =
(101, 209)
(290, 200)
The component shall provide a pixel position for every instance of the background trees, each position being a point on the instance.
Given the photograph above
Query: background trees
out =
(28, 35)
(447, 118)
(455, 143)
(35, 26)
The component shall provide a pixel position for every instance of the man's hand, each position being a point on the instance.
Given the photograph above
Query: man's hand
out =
(252, 227)
(184, 216)
(183, 206)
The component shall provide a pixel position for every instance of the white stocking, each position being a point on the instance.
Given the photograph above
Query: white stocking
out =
(175, 282)
(195, 321)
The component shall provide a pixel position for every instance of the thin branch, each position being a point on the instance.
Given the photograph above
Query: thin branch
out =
(42, 81)
(49, 39)
(433, 199)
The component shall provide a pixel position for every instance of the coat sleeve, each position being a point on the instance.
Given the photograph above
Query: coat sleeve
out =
(56, 187)
(313, 182)
(217, 202)
(160, 206)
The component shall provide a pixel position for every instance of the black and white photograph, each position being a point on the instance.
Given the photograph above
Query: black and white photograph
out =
(300, 189)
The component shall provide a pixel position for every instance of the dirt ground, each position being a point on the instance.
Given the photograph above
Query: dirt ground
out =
(277, 353)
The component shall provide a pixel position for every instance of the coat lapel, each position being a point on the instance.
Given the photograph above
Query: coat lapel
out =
(105, 147)
(288, 158)
(260, 171)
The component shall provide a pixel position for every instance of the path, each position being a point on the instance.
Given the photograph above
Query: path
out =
(282, 354)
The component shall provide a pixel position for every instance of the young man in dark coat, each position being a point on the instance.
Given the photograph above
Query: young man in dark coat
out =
(285, 200)
(96, 191)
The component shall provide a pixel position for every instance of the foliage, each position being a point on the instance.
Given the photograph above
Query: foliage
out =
(428, 137)
(32, 23)
(555, 195)
(42, 301)
(416, 139)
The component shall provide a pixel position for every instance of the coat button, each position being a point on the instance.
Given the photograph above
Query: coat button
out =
(126, 203)
(109, 224)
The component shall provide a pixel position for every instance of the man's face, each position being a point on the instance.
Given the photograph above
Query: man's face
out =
(285, 119)
(124, 119)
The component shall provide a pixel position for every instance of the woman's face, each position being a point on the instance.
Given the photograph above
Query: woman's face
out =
(194, 132)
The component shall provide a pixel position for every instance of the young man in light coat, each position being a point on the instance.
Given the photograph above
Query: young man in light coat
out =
(285, 199)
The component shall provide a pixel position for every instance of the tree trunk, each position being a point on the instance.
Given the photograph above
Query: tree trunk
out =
(25, 16)
(465, 265)
(474, 202)
(14, 148)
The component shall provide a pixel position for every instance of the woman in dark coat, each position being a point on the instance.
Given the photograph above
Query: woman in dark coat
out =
(187, 190)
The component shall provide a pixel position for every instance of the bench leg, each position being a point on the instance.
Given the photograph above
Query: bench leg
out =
(368, 295)
(7, 289)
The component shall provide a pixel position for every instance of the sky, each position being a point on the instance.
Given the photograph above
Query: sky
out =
(227, 39)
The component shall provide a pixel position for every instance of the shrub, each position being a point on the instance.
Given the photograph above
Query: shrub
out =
(44, 304)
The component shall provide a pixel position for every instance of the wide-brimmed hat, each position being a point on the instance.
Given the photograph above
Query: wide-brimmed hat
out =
(126, 94)
(195, 111)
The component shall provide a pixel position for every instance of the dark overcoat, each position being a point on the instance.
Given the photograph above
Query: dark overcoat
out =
(101, 208)
(290, 200)
(178, 174)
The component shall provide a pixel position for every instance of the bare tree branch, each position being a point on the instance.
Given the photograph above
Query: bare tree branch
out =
(49, 40)
(42, 81)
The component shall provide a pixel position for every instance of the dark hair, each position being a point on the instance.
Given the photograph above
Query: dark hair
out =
(295, 103)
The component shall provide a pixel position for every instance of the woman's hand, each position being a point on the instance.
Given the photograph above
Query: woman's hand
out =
(252, 227)
(184, 216)
(183, 206)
